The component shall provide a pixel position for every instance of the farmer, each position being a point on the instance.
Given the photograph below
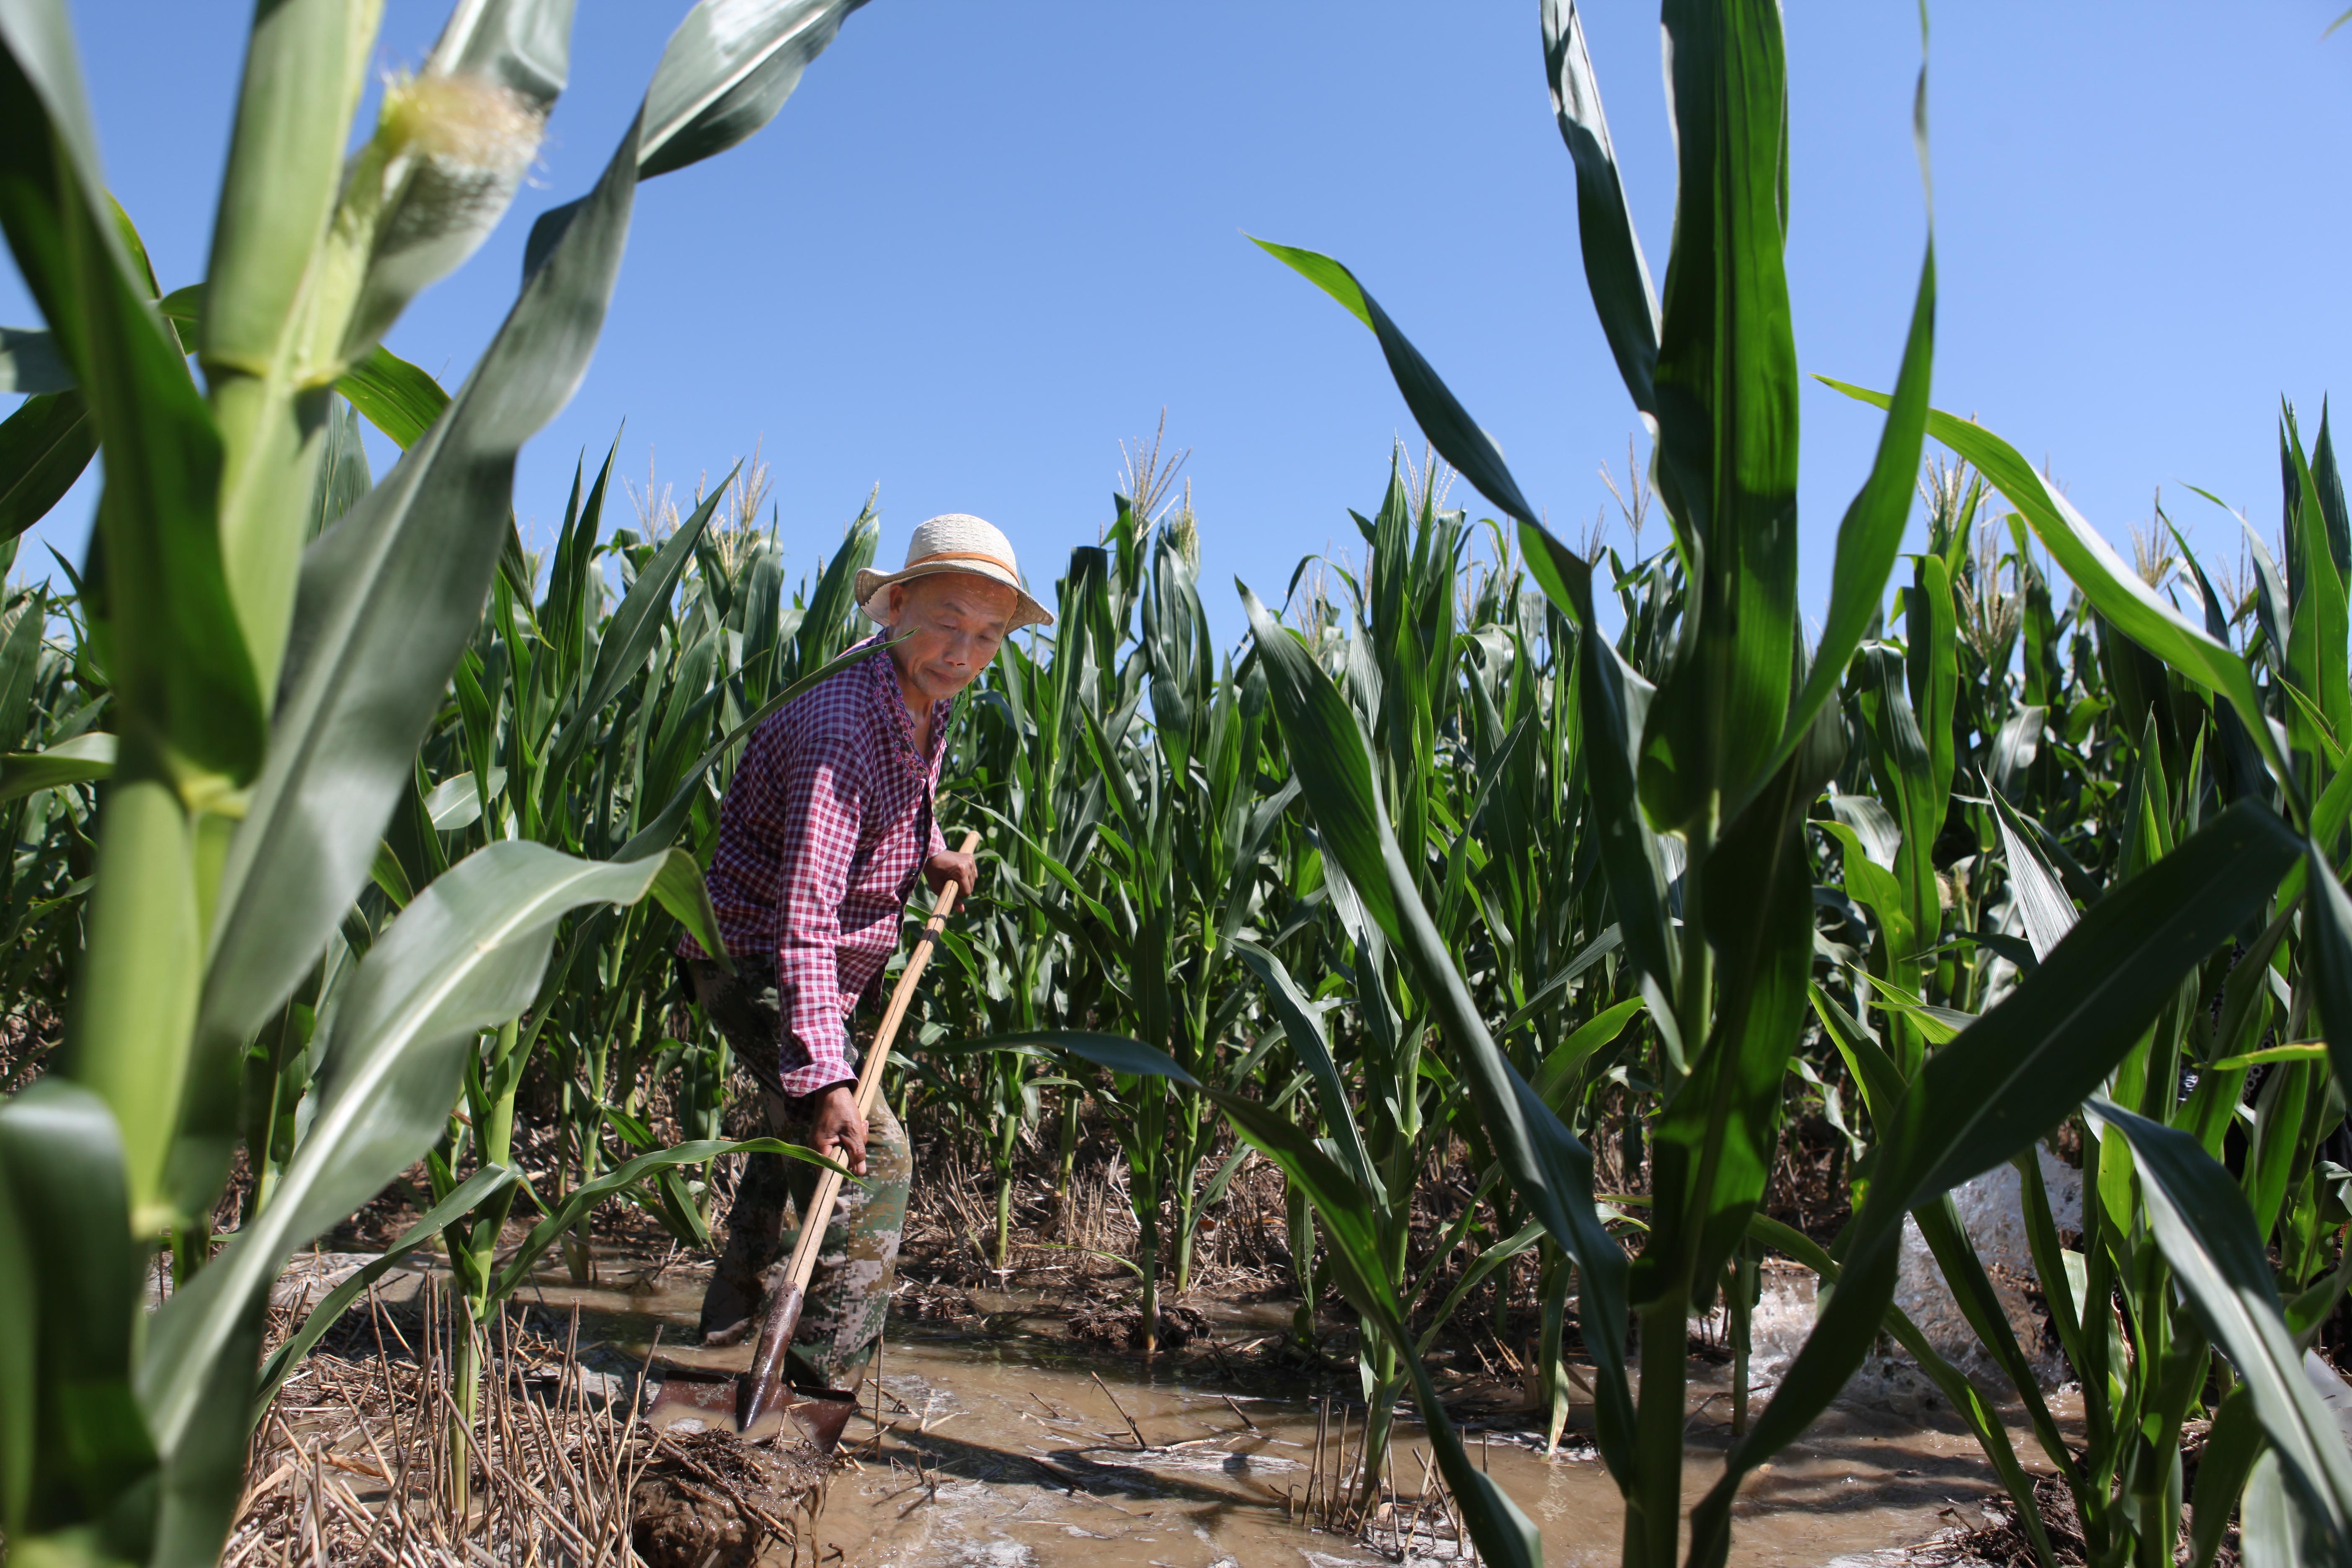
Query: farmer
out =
(824, 835)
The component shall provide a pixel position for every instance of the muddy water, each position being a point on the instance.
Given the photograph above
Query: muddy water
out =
(1000, 1449)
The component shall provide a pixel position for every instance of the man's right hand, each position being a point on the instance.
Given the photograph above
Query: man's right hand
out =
(836, 1129)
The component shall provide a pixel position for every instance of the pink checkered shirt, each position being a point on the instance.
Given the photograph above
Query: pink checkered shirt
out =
(821, 840)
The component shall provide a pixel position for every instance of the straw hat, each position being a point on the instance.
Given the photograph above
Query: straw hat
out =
(955, 542)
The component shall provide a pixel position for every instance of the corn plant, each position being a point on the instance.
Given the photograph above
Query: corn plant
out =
(1727, 754)
(234, 834)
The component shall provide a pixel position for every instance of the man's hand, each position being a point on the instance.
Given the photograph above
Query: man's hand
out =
(836, 1129)
(952, 866)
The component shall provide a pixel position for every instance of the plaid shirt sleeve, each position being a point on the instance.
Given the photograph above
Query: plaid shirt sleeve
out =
(816, 831)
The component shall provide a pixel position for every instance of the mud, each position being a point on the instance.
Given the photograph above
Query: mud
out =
(1012, 1446)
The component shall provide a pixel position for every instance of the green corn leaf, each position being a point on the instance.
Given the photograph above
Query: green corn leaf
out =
(44, 445)
(469, 1195)
(1442, 417)
(1502, 1532)
(2275, 1525)
(629, 636)
(30, 363)
(1870, 533)
(2047, 1045)
(1726, 381)
(468, 955)
(179, 660)
(2316, 648)
(1881, 1080)
(2232, 1445)
(726, 72)
(1872, 885)
(2328, 960)
(70, 1297)
(1714, 1141)
(1614, 269)
(2010, 1076)
(86, 757)
(679, 888)
(1304, 1026)
(1486, 1263)
(2038, 892)
(1611, 939)
(1559, 1068)
(1614, 703)
(390, 595)
(1939, 1025)
(2208, 1236)
(1552, 1171)
(397, 398)
(2111, 584)
(1335, 778)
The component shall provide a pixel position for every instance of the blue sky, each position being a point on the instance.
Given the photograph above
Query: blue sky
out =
(986, 242)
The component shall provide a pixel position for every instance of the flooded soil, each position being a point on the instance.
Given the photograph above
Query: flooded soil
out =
(1007, 1446)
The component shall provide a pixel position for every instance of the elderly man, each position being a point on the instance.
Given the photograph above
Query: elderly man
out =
(823, 834)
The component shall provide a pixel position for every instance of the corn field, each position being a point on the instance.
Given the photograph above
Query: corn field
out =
(352, 842)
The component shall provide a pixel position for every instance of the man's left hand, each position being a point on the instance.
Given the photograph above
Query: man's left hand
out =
(952, 866)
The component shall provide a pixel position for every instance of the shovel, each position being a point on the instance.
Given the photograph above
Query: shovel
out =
(822, 1412)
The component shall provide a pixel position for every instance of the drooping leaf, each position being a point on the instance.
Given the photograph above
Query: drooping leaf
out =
(390, 597)
(2039, 892)
(2011, 1076)
(1303, 1027)
(2209, 1236)
(583, 1198)
(2111, 584)
(726, 72)
(1441, 418)
(398, 398)
(469, 1194)
(86, 757)
(1614, 269)
(44, 445)
(1550, 1168)
(468, 955)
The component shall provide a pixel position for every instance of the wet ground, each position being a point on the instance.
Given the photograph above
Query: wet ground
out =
(1007, 1447)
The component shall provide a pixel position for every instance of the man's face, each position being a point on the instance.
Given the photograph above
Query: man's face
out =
(953, 623)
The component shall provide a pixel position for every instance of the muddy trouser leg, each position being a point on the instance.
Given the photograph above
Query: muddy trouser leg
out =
(857, 1262)
(743, 1006)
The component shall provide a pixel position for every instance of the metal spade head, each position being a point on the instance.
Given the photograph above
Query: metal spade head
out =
(704, 1404)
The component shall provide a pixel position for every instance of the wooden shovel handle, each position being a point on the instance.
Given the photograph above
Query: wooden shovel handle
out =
(869, 1076)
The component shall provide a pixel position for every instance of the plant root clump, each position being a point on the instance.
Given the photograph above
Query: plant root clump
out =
(1103, 1323)
(707, 1501)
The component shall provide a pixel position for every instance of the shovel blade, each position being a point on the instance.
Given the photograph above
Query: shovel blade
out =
(703, 1403)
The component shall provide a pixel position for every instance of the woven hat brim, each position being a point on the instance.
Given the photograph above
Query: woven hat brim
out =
(1026, 611)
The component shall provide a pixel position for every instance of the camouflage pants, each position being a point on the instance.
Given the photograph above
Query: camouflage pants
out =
(856, 1265)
